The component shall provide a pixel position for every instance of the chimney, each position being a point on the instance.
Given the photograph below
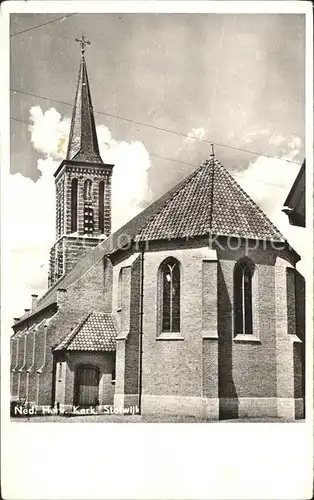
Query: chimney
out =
(61, 296)
(16, 320)
(26, 310)
(34, 300)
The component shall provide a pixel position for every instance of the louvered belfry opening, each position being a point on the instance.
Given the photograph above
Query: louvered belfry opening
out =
(101, 215)
(74, 206)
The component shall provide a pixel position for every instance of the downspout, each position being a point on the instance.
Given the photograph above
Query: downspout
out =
(39, 371)
(141, 331)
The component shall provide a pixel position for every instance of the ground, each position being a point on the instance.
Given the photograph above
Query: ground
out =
(136, 419)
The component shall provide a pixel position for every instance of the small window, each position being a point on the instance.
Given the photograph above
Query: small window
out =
(243, 319)
(60, 372)
(113, 375)
(170, 283)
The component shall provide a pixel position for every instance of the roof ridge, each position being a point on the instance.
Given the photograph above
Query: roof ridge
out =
(212, 186)
(247, 196)
(51, 288)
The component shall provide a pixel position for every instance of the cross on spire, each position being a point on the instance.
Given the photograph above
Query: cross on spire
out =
(83, 41)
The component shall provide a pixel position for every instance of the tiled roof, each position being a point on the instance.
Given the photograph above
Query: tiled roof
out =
(97, 332)
(210, 201)
(83, 143)
(208, 198)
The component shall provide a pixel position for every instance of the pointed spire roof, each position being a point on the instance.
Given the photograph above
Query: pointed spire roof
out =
(83, 143)
(210, 201)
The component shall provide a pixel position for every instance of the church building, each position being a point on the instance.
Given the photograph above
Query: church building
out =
(193, 308)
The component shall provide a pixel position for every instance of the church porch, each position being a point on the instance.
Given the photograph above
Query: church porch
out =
(84, 365)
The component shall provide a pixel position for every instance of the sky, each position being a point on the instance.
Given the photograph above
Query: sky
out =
(236, 80)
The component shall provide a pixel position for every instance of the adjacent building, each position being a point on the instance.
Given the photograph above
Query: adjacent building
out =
(294, 205)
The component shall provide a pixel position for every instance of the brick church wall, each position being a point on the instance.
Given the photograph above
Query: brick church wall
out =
(173, 367)
(66, 253)
(82, 297)
(247, 369)
(132, 341)
(127, 315)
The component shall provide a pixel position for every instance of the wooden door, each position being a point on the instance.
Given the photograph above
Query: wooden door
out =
(87, 387)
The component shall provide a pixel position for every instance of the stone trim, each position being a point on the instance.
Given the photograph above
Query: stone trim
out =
(295, 339)
(250, 407)
(169, 336)
(290, 408)
(210, 335)
(198, 407)
(247, 338)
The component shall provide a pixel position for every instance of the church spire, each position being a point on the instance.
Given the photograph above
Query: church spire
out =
(83, 143)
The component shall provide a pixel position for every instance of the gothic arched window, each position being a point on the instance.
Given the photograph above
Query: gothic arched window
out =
(74, 206)
(170, 283)
(242, 292)
(101, 206)
(88, 189)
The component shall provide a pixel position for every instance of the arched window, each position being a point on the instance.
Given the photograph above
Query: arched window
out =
(169, 280)
(88, 189)
(101, 188)
(88, 207)
(74, 206)
(242, 292)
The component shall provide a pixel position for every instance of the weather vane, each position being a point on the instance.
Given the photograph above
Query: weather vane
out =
(83, 41)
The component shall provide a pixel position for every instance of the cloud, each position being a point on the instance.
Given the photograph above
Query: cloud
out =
(31, 223)
(253, 135)
(277, 140)
(197, 133)
(268, 182)
(32, 204)
(49, 132)
(130, 175)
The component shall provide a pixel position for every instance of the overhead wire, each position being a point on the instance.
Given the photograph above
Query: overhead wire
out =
(187, 136)
(43, 24)
(178, 161)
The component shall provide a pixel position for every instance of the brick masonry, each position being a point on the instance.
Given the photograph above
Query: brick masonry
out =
(66, 383)
(205, 370)
(71, 247)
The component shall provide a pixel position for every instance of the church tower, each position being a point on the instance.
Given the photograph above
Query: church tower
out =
(83, 186)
